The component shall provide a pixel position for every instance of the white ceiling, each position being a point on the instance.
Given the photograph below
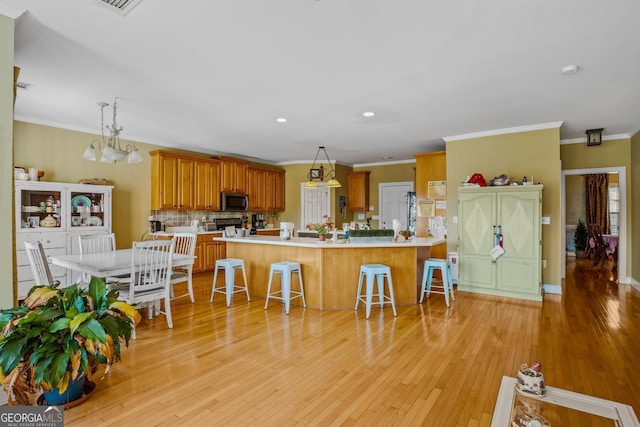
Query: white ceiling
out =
(212, 76)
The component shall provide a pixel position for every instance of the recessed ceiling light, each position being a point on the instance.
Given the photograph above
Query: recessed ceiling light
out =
(570, 69)
(281, 120)
(386, 158)
(368, 114)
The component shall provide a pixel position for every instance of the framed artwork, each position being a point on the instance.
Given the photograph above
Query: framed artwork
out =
(315, 174)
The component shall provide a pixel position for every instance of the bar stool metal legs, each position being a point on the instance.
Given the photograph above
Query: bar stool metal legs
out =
(427, 277)
(229, 265)
(286, 269)
(379, 272)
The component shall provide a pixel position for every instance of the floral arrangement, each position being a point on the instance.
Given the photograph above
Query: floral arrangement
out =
(322, 227)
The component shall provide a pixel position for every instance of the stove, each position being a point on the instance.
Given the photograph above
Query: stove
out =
(222, 223)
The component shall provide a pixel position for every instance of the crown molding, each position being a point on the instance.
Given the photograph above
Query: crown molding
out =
(541, 126)
(604, 138)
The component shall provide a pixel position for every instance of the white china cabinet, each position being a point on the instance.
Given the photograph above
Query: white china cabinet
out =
(54, 214)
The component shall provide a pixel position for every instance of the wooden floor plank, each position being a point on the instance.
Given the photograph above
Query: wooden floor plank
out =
(431, 365)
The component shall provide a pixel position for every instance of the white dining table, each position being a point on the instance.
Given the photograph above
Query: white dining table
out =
(107, 264)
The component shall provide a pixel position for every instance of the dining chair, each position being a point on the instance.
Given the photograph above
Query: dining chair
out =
(39, 265)
(185, 243)
(97, 243)
(597, 246)
(150, 278)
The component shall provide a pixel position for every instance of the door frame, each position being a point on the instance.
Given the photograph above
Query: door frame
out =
(622, 239)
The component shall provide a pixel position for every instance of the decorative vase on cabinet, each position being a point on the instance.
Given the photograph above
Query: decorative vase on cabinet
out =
(508, 217)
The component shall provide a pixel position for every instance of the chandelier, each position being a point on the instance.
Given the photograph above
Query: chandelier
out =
(320, 173)
(111, 150)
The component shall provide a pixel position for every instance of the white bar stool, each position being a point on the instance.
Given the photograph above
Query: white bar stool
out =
(229, 265)
(427, 277)
(286, 269)
(379, 271)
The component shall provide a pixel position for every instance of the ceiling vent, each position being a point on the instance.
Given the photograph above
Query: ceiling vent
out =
(23, 85)
(121, 7)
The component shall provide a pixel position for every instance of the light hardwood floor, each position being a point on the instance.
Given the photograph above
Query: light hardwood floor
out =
(431, 366)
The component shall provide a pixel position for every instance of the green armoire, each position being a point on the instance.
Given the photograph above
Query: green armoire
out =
(509, 217)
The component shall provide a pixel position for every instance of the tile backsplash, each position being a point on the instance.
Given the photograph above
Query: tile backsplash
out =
(184, 218)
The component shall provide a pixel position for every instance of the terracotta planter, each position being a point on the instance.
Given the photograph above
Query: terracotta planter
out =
(322, 237)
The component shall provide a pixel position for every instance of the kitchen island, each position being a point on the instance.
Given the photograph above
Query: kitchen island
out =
(330, 270)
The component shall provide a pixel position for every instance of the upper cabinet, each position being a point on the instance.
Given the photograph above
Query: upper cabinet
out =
(180, 182)
(233, 175)
(183, 182)
(275, 190)
(358, 199)
(266, 189)
(207, 185)
(171, 181)
(256, 185)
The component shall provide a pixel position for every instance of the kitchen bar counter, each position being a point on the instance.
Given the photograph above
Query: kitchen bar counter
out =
(331, 270)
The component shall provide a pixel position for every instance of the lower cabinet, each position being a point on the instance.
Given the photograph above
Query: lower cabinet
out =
(208, 251)
(506, 217)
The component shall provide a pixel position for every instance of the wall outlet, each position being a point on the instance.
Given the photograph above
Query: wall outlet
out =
(546, 220)
(544, 263)
(455, 219)
(371, 207)
(375, 217)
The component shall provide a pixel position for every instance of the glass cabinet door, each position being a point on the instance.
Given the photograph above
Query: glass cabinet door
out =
(87, 208)
(40, 207)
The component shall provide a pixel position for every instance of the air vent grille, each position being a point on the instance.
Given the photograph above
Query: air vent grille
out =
(23, 85)
(121, 7)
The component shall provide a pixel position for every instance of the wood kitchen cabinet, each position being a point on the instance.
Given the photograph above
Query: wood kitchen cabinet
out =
(182, 182)
(172, 179)
(266, 189)
(507, 216)
(208, 251)
(256, 188)
(207, 185)
(233, 175)
(275, 191)
(358, 183)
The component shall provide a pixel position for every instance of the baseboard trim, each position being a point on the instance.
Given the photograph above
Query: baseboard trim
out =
(634, 283)
(552, 289)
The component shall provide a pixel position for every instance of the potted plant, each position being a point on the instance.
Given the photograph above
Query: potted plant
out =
(322, 228)
(58, 338)
(405, 233)
(580, 239)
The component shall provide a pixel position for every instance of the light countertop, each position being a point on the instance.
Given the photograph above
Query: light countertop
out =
(310, 242)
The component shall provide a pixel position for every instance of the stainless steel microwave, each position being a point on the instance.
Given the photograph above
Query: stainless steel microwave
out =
(230, 202)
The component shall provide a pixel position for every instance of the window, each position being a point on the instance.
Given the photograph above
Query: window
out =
(614, 208)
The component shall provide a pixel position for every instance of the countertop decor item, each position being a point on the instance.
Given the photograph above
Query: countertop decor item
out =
(59, 335)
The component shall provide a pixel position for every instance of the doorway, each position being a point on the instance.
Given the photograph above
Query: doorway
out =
(392, 197)
(622, 242)
(315, 203)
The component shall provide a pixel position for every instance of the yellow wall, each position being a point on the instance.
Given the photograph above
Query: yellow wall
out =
(534, 153)
(575, 199)
(6, 167)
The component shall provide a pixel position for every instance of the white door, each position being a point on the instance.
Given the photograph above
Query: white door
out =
(316, 202)
(393, 203)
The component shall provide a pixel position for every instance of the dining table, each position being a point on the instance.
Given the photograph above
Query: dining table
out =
(109, 264)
